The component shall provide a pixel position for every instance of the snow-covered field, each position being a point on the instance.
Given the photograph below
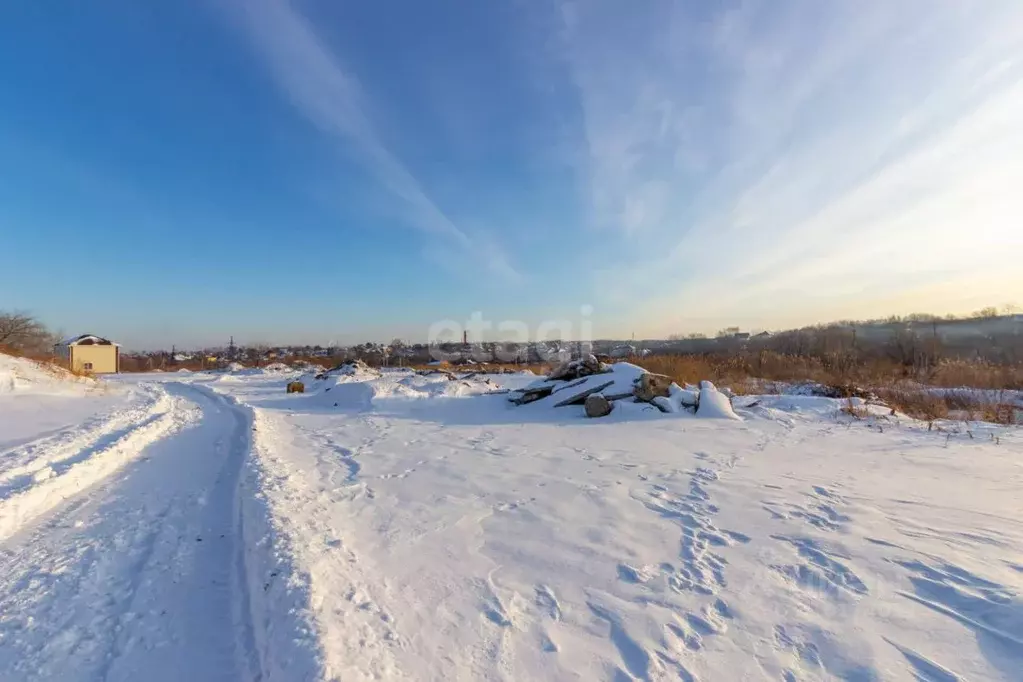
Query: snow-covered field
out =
(212, 527)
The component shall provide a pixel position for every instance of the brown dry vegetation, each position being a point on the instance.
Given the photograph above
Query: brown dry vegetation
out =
(930, 405)
(835, 372)
(910, 392)
(48, 362)
(536, 368)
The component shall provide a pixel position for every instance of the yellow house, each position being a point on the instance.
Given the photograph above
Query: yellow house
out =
(90, 353)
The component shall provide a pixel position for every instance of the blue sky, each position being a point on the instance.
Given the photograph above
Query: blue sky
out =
(315, 171)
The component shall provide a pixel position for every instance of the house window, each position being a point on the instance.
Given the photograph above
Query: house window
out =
(87, 365)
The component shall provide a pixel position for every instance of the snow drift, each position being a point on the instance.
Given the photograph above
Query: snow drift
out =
(359, 391)
(19, 374)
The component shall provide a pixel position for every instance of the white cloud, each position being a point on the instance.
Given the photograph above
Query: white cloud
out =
(767, 161)
(331, 98)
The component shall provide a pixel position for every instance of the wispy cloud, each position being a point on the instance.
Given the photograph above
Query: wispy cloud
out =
(786, 155)
(331, 98)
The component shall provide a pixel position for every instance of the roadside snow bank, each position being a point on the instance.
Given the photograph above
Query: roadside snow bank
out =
(286, 639)
(38, 484)
(21, 375)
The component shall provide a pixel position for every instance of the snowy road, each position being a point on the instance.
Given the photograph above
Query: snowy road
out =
(137, 577)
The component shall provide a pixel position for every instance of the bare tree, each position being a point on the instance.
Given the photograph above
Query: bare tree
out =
(23, 332)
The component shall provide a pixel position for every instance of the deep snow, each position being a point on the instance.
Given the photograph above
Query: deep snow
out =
(410, 527)
(464, 539)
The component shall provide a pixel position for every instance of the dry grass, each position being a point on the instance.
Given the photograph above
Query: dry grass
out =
(65, 366)
(493, 367)
(933, 405)
(977, 375)
(743, 374)
(56, 366)
(836, 371)
(913, 394)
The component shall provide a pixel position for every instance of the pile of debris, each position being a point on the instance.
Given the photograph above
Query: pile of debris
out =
(349, 368)
(577, 369)
(597, 385)
(277, 367)
(451, 376)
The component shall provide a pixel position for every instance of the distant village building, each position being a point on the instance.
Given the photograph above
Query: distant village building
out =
(623, 351)
(90, 353)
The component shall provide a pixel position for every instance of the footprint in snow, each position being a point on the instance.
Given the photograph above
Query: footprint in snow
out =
(631, 574)
(807, 652)
(679, 635)
(821, 569)
(546, 600)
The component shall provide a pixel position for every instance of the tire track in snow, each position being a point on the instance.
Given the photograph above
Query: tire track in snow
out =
(18, 465)
(139, 577)
(86, 461)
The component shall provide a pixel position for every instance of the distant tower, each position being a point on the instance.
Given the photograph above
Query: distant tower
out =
(465, 337)
(231, 350)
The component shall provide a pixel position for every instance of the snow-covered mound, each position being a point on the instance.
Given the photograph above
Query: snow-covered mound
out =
(678, 399)
(350, 370)
(277, 367)
(357, 391)
(714, 404)
(21, 375)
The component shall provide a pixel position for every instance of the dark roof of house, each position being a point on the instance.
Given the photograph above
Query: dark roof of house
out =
(87, 340)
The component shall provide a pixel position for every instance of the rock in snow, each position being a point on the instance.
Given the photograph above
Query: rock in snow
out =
(652, 386)
(598, 406)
